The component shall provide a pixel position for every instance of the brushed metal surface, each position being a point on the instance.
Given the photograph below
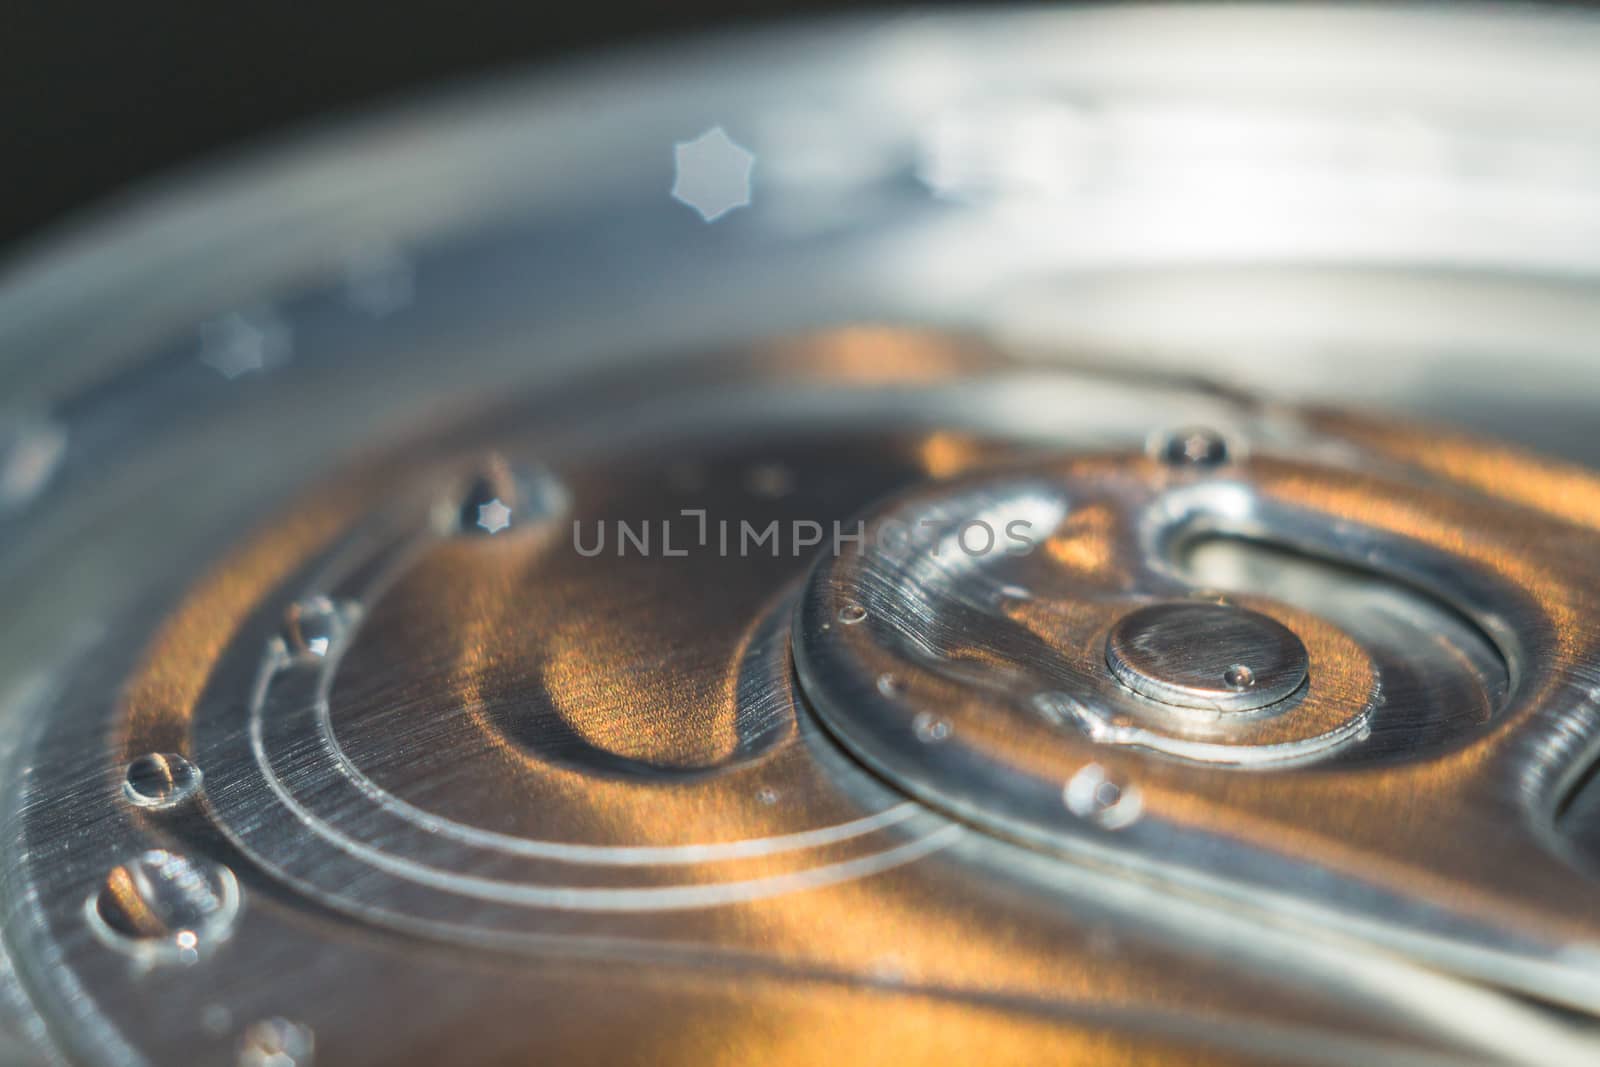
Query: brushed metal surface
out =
(513, 761)
(1206, 657)
(446, 619)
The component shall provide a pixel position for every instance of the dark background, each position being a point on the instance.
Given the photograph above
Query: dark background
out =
(96, 97)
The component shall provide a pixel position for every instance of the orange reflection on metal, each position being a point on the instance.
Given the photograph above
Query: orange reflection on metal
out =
(1555, 488)
(1084, 543)
(876, 355)
(945, 454)
(180, 658)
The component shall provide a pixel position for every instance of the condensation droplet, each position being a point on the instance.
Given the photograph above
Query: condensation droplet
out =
(930, 728)
(1095, 795)
(851, 614)
(162, 905)
(276, 1043)
(160, 780)
(493, 515)
(502, 497)
(1195, 448)
(767, 795)
(890, 686)
(1239, 677)
(313, 626)
(490, 502)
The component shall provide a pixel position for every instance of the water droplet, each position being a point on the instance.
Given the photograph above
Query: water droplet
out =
(1095, 795)
(851, 614)
(1239, 677)
(930, 728)
(501, 498)
(890, 686)
(165, 905)
(1195, 448)
(276, 1043)
(490, 501)
(767, 795)
(494, 515)
(160, 780)
(313, 626)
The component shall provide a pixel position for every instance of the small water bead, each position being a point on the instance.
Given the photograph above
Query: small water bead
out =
(160, 780)
(851, 614)
(1239, 677)
(313, 626)
(1196, 447)
(1093, 794)
(506, 497)
(493, 516)
(165, 904)
(930, 728)
(490, 500)
(890, 686)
